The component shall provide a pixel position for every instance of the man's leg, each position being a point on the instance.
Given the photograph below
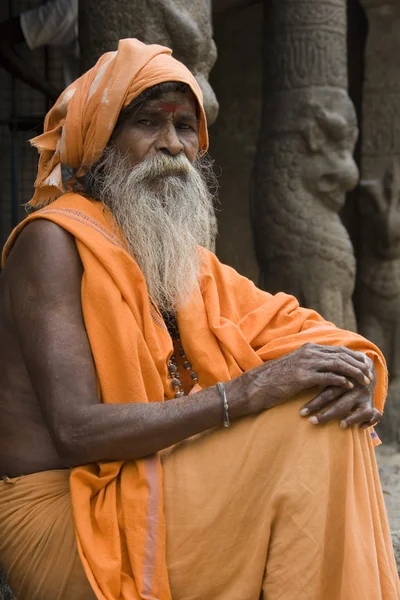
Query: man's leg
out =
(331, 525)
(277, 505)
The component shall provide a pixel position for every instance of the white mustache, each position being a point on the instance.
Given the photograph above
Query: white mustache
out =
(164, 164)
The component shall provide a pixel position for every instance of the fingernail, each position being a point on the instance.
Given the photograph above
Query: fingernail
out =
(343, 424)
(303, 412)
(313, 420)
(366, 380)
(370, 375)
(350, 385)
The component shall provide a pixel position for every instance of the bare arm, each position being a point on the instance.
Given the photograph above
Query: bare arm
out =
(10, 35)
(45, 275)
(46, 301)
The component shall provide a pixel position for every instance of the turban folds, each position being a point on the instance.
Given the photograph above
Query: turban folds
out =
(78, 127)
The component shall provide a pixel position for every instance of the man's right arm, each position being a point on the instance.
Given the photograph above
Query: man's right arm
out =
(45, 273)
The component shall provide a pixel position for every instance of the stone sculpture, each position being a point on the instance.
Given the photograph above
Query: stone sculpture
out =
(183, 26)
(378, 276)
(304, 163)
(377, 298)
(378, 281)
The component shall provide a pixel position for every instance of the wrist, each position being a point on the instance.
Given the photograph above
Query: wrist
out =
(225, 406)
(238, 397)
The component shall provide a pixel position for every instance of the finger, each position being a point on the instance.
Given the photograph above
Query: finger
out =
(359, 356)
(373, 421)
(369, 362)
(324, 398)
(339, 356)
(346, 367)
(341, 359)
(361, 415)
(339, 409)
(324, 380)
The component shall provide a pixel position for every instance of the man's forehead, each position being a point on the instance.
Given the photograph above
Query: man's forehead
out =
(172, 101)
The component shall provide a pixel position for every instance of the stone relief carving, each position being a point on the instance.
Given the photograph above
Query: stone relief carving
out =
(296, 53)
(300, 181)
(305, 44)
(378, 293)
(304, 164)
(183, 26)
(377, 296)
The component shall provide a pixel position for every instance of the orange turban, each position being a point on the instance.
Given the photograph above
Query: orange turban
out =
(79, 126)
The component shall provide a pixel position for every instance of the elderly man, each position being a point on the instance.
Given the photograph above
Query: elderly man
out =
(153, 439)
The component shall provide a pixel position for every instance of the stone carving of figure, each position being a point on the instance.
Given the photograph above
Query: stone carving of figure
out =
(304, 164)
(303, 171)
(377, 296)
(378, 272)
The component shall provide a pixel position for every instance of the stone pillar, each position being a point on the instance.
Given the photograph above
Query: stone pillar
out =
(304, 162)
(183, 26)
(377, 297)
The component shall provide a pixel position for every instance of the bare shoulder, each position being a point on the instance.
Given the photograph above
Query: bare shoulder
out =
(44, 267)
(45, 239)
(44, 249)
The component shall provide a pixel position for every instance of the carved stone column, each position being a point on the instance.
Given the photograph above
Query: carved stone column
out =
(378, 275)
(304, 163)
(183, 26)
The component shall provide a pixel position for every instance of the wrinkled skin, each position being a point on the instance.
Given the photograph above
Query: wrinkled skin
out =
(347, 379)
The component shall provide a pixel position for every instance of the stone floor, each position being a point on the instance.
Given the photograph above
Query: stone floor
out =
(389, 469)
(5, 592)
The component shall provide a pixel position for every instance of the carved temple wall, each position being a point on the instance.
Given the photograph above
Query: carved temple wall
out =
(377, 297)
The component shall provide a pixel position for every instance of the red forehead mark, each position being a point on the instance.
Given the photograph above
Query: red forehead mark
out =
(170, 107)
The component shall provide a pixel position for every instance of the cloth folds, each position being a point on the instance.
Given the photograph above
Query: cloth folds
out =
(37, 544)
(295, 510)
(277, 505)
(79, 125)
(229, 327)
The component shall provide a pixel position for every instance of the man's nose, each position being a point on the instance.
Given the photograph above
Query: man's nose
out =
(169, 140)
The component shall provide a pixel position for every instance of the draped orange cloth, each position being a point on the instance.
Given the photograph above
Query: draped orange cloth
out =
(79, 125)
(230, 326)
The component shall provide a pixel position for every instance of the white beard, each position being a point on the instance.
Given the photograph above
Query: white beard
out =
(165, 211)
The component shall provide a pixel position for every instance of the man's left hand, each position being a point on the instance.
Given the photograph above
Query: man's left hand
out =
(350, 407)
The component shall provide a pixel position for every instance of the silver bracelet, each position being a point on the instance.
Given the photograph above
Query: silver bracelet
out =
(222, 393)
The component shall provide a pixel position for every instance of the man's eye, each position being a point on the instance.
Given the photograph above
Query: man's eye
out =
(144, 122)
(183, 126)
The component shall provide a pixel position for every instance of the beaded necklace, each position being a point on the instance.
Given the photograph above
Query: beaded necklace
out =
(172, 326)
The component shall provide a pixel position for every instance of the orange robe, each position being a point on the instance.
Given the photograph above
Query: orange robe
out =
(230, 326)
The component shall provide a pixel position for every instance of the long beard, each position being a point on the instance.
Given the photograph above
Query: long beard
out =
(164, 209)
